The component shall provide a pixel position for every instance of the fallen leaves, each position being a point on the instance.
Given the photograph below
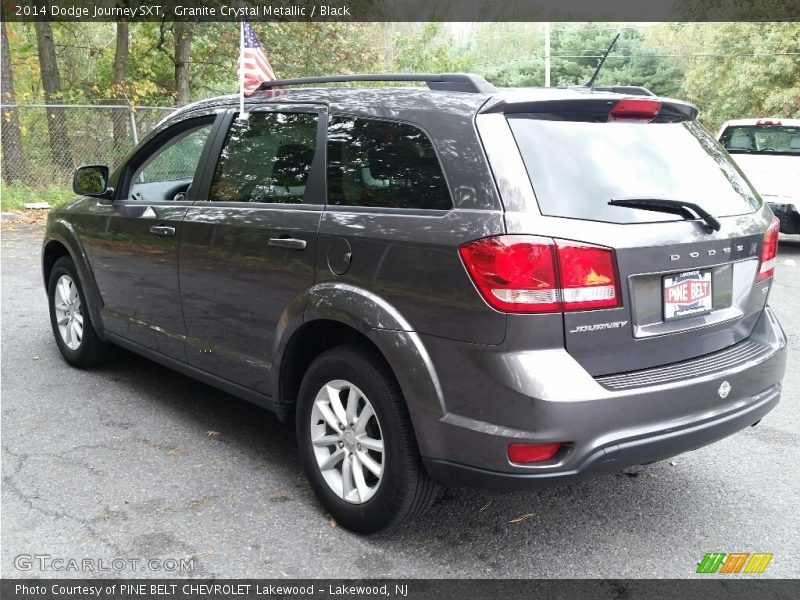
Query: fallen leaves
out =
(204, 501)
(523, 517)
(26, 217)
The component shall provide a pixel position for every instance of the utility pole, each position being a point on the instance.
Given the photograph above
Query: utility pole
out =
(547, 54)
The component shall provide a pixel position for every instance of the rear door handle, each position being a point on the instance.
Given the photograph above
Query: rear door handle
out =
(162, 230)
(291, 243)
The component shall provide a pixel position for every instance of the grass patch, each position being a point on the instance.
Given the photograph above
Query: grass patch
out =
(13, 196)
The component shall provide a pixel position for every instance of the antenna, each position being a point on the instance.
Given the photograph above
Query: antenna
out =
(590, 84)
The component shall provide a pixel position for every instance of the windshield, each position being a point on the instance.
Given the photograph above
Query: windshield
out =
(761, 139)
(577, 167)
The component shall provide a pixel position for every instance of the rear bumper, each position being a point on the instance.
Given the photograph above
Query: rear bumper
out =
(788, 215)
(602, 429)
(611, 458)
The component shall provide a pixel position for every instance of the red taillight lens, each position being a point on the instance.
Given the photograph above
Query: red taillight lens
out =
(767, 122)
(528, 453)
(588, 276)
(769, 251)
(518, 273)
(635, 108)
(514, 273)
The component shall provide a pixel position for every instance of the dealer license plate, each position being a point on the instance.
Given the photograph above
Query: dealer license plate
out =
(687, 294)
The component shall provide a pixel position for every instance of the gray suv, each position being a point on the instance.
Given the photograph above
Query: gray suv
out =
(451, 285)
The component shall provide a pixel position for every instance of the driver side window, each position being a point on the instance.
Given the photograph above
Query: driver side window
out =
(167, 173)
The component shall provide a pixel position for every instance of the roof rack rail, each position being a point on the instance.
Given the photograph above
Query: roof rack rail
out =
(633, 90)
(452, 82)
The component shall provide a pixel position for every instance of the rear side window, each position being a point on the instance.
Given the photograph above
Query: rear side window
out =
(576, 168)
(761, 139)
(266, 158)
(383, 164)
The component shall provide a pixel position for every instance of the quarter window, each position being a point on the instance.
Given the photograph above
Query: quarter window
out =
(383, 164)
(266, 158)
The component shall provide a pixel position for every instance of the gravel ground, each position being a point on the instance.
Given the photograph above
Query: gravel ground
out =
(135, 461)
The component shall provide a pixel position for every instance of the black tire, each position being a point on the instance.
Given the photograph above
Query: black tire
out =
(405, 490)
(91, 350)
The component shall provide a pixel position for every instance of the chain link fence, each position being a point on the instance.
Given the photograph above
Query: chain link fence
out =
(42, 144)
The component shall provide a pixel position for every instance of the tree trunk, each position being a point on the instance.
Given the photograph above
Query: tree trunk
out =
(183, 46)
(120, 117)
(51, 81)
(14, 168)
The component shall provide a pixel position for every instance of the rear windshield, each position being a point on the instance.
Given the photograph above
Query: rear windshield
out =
(761, 139)
(576, 168)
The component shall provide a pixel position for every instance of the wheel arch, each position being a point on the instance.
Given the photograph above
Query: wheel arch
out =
(306, 343)
(344, 314)
(62, 240)
(51, 252)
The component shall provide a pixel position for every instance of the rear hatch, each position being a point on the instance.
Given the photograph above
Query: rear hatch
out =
(684, 230)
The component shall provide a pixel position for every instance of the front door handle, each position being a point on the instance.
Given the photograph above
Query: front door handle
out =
(162, 230)
(291, 243)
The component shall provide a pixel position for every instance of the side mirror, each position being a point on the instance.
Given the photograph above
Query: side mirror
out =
(91, 180)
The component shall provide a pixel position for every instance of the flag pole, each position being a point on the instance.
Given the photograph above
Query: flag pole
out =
(242, 114)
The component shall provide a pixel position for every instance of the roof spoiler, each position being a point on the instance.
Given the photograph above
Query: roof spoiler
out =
(630, 90)
(451, 82)
(585, 107)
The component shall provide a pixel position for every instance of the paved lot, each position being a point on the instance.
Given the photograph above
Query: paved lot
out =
(119, 463)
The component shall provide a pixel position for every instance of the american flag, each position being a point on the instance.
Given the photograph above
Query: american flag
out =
(254, 65)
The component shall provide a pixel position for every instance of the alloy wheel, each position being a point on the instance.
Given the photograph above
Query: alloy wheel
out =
(347, 441)
(69, 313)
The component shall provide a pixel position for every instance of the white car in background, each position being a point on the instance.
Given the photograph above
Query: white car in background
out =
(768, 151)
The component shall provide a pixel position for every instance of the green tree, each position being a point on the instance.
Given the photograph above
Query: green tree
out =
(51, 83)
(742, 69)
(182, 34)
(118, 84)
(13, 159)
(575, 52)
(429, 49)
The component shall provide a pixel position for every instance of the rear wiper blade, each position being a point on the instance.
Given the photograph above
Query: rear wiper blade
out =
(687, 210)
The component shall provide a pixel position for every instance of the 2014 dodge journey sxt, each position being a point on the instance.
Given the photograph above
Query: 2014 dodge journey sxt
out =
(444, 285)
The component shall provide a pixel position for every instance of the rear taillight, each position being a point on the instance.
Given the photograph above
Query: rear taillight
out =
(588, 276)
(769, 250)
(514, 272)
(520, 273)
(528, 453)
(635, 108)
(767, 122)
